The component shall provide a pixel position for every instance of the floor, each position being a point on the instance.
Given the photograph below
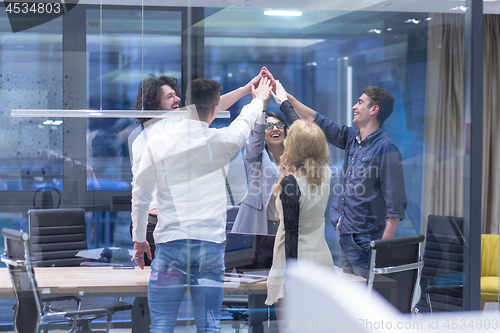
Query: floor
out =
(227, 326)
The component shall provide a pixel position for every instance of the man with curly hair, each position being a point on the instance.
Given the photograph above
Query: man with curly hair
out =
(162, 94)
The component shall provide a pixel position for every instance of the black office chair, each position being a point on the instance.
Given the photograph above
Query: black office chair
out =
(31, 313)
(398, 259)
(442, 276)
(56, 236)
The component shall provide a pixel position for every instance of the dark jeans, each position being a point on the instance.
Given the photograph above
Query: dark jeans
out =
(140, 309)
(355, 252)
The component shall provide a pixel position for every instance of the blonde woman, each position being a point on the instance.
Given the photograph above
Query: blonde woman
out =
(302, 195)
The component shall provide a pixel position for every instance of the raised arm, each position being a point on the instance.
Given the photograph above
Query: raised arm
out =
(304, 112)
(239, 129)
(227, 100)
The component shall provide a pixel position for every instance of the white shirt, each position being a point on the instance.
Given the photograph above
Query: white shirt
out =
(139, 142)
(188, 165)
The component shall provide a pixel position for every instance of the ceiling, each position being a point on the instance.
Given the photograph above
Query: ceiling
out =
(245, 18)
(437, 6)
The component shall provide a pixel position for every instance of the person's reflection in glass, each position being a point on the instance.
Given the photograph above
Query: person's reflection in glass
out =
(107, 153)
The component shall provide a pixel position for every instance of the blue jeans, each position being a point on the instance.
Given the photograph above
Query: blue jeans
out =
(181, 265)
(355, 252)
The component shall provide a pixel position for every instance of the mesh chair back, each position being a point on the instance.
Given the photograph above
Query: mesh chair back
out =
(25, 288)
(401, 255)
(56, 236)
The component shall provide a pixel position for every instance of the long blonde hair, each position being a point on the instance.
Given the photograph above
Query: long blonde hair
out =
(306, 153)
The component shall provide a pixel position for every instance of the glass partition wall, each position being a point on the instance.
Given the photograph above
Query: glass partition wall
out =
(324, 53)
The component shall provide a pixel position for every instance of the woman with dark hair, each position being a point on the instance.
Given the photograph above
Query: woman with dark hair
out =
(258, 214)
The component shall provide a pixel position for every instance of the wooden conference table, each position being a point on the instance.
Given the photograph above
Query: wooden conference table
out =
(109, 281)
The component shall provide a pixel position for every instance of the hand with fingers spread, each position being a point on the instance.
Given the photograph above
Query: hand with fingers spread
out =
(140, 250)
(280, 94)
(263, 91)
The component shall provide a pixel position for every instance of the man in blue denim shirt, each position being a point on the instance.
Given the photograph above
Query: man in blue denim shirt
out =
(370, 199)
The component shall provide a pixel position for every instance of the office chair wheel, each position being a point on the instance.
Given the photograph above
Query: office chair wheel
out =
(83, 326)
(238, 314)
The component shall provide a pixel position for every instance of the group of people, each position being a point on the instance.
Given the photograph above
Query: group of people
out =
(179, 190)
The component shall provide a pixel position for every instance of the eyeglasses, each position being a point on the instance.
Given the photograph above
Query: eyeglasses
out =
(279, 125)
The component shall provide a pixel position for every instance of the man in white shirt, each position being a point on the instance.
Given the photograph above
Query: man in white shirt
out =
(162, 94)
(188, 166)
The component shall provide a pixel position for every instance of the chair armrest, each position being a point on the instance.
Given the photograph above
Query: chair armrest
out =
(12, 262)
(89, 312)
(430, 289)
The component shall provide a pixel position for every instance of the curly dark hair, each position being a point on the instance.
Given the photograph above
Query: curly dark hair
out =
(149, 94)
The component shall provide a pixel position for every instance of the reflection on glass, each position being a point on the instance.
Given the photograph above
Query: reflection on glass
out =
(325, 58)
(31, 77)
(117, 60)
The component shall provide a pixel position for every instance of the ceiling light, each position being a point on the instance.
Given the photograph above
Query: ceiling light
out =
(412, 20)
(462, 8)
(377, 31)
(52, 122)
(389, 29)
(428, 19)
(283, 13)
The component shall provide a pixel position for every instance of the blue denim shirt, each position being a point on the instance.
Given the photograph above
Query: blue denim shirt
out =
(371, 184)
